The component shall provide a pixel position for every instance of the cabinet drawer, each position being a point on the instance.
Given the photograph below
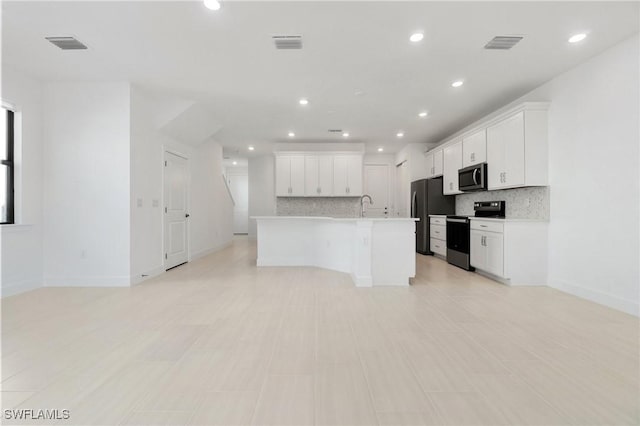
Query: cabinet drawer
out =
(438, 221)
(438, 246)
(485, 225)
(438, 231)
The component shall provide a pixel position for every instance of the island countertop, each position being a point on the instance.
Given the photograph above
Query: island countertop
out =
(384, 219)
(374, 251)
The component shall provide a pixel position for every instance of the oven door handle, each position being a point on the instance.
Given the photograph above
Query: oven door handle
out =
(474, 176)
(458, 220)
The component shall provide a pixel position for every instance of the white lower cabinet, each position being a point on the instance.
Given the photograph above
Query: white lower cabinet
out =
(487, 251)
(515, 251)
(438, 235)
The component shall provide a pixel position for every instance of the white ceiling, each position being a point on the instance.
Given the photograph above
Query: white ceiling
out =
(227, 60)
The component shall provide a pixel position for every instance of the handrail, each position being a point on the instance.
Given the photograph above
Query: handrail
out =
(226, 184)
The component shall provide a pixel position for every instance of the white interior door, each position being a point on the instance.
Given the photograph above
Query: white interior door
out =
(376, 184)
(403, 189)
(176, 185)
(239, 186)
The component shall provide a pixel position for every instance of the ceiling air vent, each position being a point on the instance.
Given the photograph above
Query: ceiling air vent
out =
(503, 42)
(335, 130)
(286, 42)
(66, 43)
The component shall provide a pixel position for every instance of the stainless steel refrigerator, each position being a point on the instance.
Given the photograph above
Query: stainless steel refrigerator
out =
(426, 199)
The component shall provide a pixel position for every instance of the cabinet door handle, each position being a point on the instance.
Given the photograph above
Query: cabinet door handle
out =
(473, 156)
(483, 226)
(318, 190)
(505, 177)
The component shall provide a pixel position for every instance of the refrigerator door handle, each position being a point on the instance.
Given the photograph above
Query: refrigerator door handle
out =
(414, 204)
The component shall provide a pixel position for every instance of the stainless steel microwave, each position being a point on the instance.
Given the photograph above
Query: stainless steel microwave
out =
(473, 178)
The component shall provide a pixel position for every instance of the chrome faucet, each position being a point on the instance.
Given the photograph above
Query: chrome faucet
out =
(362, 203)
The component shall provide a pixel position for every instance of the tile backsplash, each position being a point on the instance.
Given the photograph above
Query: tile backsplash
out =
(318, 206)
(521, 203)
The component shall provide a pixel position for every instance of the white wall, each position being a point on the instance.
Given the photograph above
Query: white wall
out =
(210, 209)
(238, 182)
(594, 141)
(414, 168)
(262, 198)
(86, 184)
(21, 245)
(146, 186)
(211, 221)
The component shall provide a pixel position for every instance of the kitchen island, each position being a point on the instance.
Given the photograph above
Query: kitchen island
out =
(374, 251)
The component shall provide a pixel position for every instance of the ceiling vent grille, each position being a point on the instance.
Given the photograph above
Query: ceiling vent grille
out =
(67, 43)
(287, 42)
(335, 130)
(503, 42)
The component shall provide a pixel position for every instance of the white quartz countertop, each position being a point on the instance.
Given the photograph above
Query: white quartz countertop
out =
(341, 219)
(497, 219)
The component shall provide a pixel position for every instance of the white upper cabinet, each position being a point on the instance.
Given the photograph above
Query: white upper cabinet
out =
(433, 160)
(318, 171)
(438, 163)
(474, 148)
(517, 151)
(452, 163)
(347, 175)
(318, 174)
(428, 162)
(505, 151)
(290, 176)
(514, 144)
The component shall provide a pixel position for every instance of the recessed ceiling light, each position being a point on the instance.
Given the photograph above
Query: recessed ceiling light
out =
(380, 149)
(235, 163)
(423, 114)
(345, 135)
(291, 134)
(416, 37)
(577, 37)
(212, 4)
(457, 83)
(399, 134)
(251, 148)
(303, 101)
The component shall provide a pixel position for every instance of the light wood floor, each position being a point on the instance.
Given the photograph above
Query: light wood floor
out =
(219, 341)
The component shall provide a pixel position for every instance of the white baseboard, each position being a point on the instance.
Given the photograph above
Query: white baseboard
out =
(88, 281)
(206, 252)
(283, 261)
(629, 306)
(137, 279)
(12, 289)
(362, 281)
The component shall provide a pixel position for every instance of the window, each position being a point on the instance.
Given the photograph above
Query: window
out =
(6, 166)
